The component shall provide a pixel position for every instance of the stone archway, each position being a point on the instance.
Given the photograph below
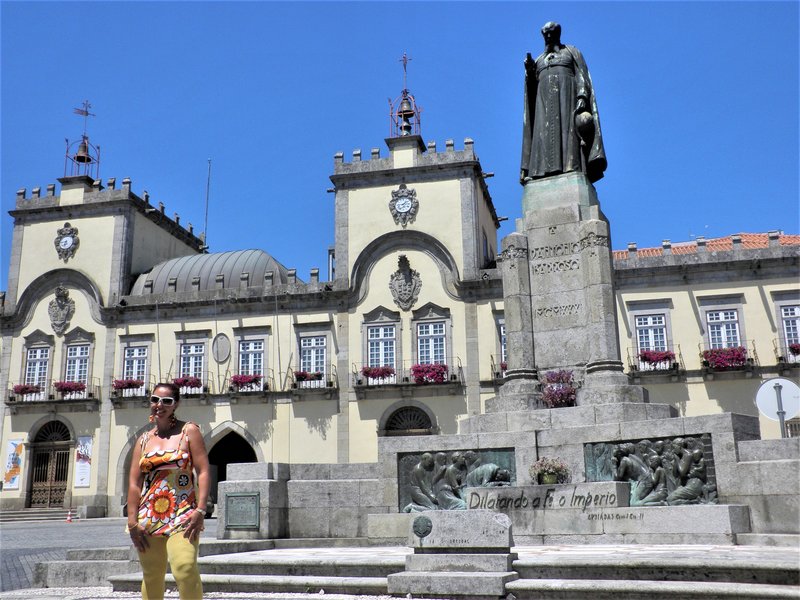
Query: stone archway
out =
(50, 462)
(230, 448)
(408, 417)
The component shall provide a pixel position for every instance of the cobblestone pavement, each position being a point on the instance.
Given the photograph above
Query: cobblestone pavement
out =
(23, 544)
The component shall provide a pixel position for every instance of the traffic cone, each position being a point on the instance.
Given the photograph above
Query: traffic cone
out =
(69, 516)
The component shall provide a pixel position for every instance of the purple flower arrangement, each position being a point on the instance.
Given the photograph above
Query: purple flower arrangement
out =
(127, 384)
(377, 372)
(24, 388)
(188, 382)
(721, 359)
(245, 380)
(656, 356)
(69, 387)
(423, 374)
(559, 389)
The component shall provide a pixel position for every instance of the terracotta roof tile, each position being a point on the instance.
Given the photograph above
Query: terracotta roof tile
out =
(750, 241)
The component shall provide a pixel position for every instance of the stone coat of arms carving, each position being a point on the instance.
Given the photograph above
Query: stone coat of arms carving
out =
(61, 310)
(405, 284)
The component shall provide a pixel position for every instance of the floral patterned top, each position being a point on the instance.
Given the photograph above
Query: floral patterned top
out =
(168, 494)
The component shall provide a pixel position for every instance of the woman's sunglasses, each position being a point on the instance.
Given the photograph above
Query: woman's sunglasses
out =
(165, 401)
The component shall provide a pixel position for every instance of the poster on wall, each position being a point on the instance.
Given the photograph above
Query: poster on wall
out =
(83, 462)
(13, 465)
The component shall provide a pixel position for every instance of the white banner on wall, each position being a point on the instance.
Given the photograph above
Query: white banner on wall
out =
(83, 462)
(13, 464)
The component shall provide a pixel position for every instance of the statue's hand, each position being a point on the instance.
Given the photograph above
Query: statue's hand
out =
(528, 62)
(581, 106)
(523, 173)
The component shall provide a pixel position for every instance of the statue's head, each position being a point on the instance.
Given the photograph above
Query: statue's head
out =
(427, 461)
(551, 31)
(502, 475)
(440, 459)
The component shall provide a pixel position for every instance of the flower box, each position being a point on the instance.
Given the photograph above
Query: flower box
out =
(723, 359)
(188, 382)
(127, 384)
(307, 376)
(656, 356)
(249, 381)
(794, 349)
(69, 387)
(550, 470)
(559, 389)
(424, 374)
(23, 389)
(377, 372)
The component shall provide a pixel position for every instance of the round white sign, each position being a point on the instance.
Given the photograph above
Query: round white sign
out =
(767, 398)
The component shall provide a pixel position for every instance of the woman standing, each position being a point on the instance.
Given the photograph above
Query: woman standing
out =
(171, 509)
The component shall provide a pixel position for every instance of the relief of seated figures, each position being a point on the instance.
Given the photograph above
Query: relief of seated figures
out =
(439, 482)
(662, 473)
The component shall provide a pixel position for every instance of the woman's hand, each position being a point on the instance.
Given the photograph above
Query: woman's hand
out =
(196, 525)
(138, 537)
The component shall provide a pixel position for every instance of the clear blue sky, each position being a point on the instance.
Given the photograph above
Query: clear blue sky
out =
(698, 103)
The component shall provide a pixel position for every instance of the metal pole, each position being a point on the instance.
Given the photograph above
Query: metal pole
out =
(781, 412)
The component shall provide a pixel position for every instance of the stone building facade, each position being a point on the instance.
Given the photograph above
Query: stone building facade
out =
(406, 336)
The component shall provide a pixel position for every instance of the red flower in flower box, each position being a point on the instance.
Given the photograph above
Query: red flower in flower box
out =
(244, 380)
(69, 387)
(656, 356)
(23, 388)
(429, 373)
(721, 359)
(188, 382)
(559, 389)
(794, 349)
(377, 372)
(127, 384)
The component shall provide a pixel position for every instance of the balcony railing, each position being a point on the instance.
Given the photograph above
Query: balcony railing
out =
(410, 373)
(739, 357)
(50, 390)
(787, 353)
(234, 384)
(655, 362)
(310, 380)
(193, 386)
(127, 387)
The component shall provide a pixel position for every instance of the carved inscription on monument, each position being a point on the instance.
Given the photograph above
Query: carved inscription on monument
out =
(559, 311)
(242, 510)
(555, 267)
(563, 251)
(581, 496)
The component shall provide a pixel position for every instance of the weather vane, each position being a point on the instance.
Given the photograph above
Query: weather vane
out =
(84, 112)
(405, 60)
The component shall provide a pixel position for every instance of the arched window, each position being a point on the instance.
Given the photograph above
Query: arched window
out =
(408, 420)
(54, 431)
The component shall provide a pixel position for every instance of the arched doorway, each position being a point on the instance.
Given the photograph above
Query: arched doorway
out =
(50, 450)
(232, 448)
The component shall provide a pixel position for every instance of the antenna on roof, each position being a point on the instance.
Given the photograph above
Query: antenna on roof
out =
(204, 247)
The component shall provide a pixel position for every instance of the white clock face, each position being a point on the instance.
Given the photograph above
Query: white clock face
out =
(66, 242)
(403, 205)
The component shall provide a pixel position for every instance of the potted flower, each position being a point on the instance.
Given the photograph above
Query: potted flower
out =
(383, 372)
(794, 349)
(656, 356)
(548, 471)
(251, 383)
(69, 387)
(559, 389)
(188, 382)
(434, 373)
(23, 389)
(723, 359)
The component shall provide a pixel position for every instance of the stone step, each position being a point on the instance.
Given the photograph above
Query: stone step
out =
(664, 568)
(759, 450)
(108, 554)
(603, 589)
(37, 514)
(349, 542)
(264, 563)
(57, 573)
(786, 540)
(267, 583)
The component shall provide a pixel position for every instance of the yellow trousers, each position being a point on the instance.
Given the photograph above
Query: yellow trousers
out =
(182, 557)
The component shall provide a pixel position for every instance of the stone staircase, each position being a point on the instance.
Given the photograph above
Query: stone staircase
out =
(37, 514)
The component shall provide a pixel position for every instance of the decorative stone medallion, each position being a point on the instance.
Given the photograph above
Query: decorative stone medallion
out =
(67, 242)
(405, 284)
(422, 527)
(404, 205)
(61, 310)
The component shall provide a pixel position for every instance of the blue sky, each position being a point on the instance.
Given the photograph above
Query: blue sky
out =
(698, 104)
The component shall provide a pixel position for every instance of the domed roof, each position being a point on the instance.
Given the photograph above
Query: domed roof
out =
(207, 266)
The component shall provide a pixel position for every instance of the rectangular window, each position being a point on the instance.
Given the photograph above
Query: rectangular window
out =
(77, 367)
(790, 318)
(313, 358)
(651, 332)
(134, 366)
(381, 340)
(431, 346)
(251, 357)
(36, 368)
(192, 360)
(723, 328)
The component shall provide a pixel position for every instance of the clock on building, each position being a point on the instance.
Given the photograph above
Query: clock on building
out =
(66, 242)
(404, 205)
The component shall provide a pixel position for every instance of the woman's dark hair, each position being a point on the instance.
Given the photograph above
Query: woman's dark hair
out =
(174, 390)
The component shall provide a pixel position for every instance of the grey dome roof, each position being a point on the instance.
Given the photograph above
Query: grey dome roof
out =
(207, 267)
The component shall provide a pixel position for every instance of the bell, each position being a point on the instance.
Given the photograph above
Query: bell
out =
(405, 110)
(83, 153)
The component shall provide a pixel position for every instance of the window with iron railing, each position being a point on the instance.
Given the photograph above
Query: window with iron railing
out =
(431, 343)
